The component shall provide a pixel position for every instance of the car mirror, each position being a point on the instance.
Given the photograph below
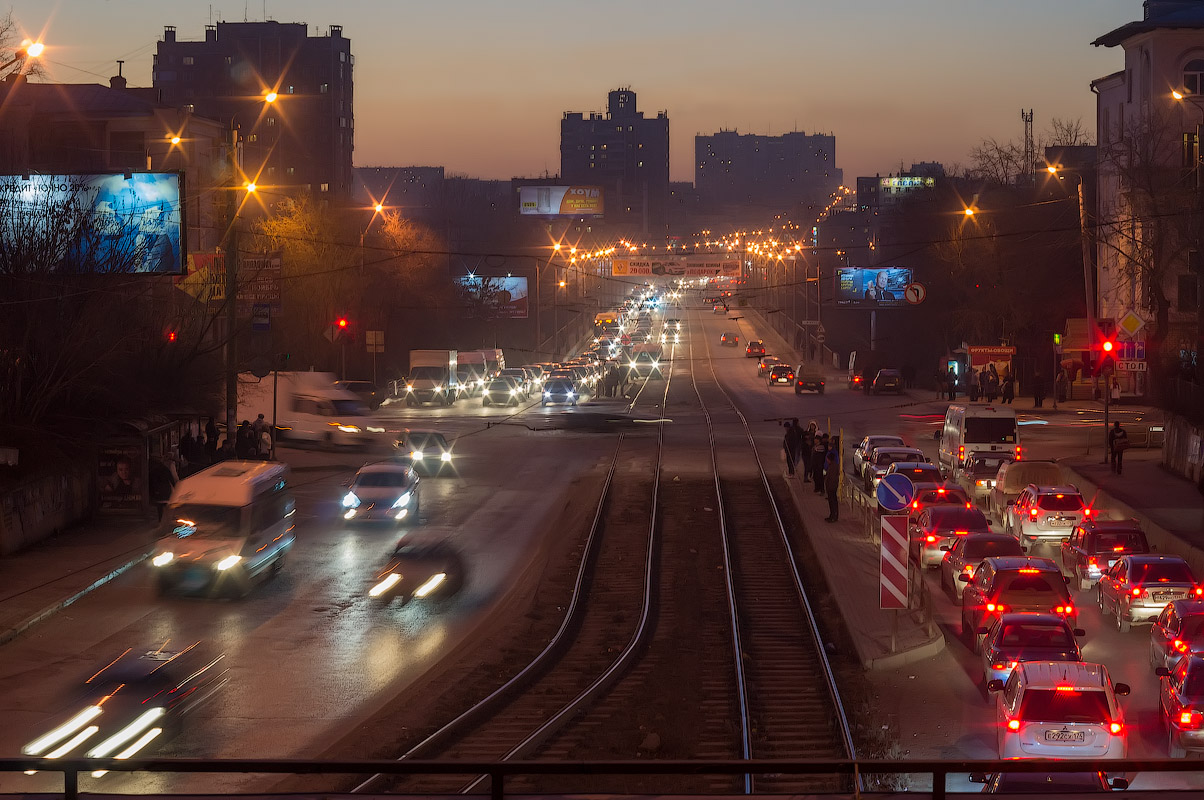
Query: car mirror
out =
(963, 578)
(982, 631)
(1121, 689)
(1162, 672)
(1080, 632)
(945, 548)
(1118, 783)
(994, 685)
(978, 777)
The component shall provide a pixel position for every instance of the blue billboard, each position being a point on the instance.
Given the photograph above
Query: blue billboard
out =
(872, 287)
(120, 223)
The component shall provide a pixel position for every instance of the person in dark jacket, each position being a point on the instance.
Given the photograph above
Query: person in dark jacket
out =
(245, 444)
(808, 444)
(1038, 390)
(790, 445)
(832, 479)
(818, 454)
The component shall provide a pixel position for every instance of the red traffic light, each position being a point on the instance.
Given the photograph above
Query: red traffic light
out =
(171, 336)
(1108, 345)
(342, 322)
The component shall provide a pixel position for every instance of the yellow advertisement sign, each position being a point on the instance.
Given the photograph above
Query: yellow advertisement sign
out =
(561, 201)
(693, 266)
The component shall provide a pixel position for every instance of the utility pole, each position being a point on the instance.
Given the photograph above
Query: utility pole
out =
(232, 291)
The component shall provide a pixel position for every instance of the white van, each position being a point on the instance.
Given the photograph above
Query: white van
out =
(224, 528)
(309, 407)
(972, 428)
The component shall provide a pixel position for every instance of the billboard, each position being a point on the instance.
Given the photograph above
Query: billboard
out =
(259, 281)
(560, 201)
(690, 266)
(495, 297)
(872, 287)
(124, 222)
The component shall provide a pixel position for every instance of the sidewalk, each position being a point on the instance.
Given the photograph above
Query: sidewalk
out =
(56, 572)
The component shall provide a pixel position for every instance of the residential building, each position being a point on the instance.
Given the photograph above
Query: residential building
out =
(304, 140)
(769, 173)
(627, 154)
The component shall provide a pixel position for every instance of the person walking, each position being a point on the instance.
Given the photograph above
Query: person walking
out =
(909, 376)
(1038, 390)
(1060, 384)
(990, 384)
(211, 442)
(972, 385)
(832, 479)
(951, 384)
(818, 454)
(245, 445)
(1009, 388)
(1118, 443)
(790, 445)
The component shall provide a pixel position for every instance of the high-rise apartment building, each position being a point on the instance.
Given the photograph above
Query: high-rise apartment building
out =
(301, 142)
(771, 173)
(627, 154)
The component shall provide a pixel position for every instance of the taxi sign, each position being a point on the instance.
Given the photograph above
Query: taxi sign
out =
(895, 491)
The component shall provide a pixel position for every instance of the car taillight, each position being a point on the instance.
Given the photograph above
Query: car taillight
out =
(960, 533)
(1017, 452)
(1092, 562)
(1180, 645)
(961, 452)
(1086, 512)
(1199, 591)
(1192, 720)
(915, 504)
(969, 570)
(930, 539)
(1000, 607)
(1066, 609)
(1013, 724)
(1136, 591)
(1115, 728)
(1032, 512)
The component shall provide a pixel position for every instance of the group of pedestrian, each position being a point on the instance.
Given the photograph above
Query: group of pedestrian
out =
(253, 440)
(614, 382)
(818, 457)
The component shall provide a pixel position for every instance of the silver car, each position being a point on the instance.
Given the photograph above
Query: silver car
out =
(1045, 513)
(977, 475)
(938, 527)
(387, 492)
(881, 458)
(867, 445)
(1137, 588)
(1027, 636)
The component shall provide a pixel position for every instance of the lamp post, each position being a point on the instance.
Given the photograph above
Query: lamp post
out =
(1085, 245)
(26, 51)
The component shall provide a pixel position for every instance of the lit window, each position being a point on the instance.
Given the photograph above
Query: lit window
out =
(324, 88)
(325, 187)
(188, 61)
(269, 121)
(290, 170)
(291, 90)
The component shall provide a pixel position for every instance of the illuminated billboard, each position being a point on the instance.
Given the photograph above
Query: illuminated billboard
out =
(690, 266)
(560, 201)
(96, 223)
(495, 297)
(872, 287)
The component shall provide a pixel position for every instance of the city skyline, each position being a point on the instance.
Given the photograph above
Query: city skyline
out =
(490, 85)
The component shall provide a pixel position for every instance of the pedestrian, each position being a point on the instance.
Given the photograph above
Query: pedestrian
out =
(1038, 390)
(951, 383)
(245, 445)
(211, 440)
(1115, 391)
(909, 376)
(1009, 388)
(161, 483)
(260, 427)
(1118, 443)
(808, 445)
(832, 479)
(790, 445)
(972, 385)
(990, 384)
(942, 384)
(1060, 384)
(818, 454)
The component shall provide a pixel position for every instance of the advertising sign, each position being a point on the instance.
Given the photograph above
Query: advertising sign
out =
(97, 223)
(560, 201)
(691, 266)
(119, 476)
(259, 277)
(496, 297)
(872, 287)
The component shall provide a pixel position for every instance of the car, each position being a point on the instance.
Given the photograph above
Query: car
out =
(918, 471)
(1012, 583)
(387, 491)
(765, 363)
(755, 349)
(781, 375)
(1096, 545)
(967, 552)
(1047, 784)
(880, 459)
(427, 452)
(367, 391)
(887, 380)
(809, 377)
(1027, 636)
(419, 569)
(559, 390)
(938, 527)
(729, 339)
(720, 308)
(868, 444)
(501, 391)
(937, 494)
(977, 475)
(1060, 709)
(521, 379)
(1136, 588)
(1178, 631)
(672, 324)
(1181, 705)
(1012, 479)
(1045, 513)
(138, 700)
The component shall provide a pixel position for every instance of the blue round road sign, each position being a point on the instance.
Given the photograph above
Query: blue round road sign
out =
(895, 492)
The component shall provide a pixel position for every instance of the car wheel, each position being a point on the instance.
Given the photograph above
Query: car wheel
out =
(409, 402)
(543, 402)
(1122, 624)
(1099, 598)
(1174, 748)
(1154, 660)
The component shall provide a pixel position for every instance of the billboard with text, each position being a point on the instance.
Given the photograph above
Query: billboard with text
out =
(560, 201)
(495, 297)
(117, 223)
(690, 266)
(872, 287)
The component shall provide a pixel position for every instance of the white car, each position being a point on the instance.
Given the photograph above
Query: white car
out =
(1060, 709)
(1045, 513)
(386, 491)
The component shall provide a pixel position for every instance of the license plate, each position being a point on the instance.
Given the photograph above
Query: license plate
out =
(1166, 597)
(1064, 736)
(1061, 523)
(782, 380)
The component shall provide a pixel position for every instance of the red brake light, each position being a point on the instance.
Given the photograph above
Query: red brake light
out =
(930, 539)
(940, 491)
(1000, 607)
(1086, 512)
(915, 504)
(1092, 561)
(1066, 609)
(1190, 719)
(1115, 728)
(969, 570)
(1120, 548)
(1180, 645)
(1199, 592)
(960, 533)
(1067, 689)
(1032, 512)
(1136, 592)
(1013, 724)
(1029, 570)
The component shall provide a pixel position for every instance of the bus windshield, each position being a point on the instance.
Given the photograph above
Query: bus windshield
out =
(990, 430)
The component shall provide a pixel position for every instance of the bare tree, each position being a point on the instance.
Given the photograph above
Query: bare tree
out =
(1067, 133)
(996, 162)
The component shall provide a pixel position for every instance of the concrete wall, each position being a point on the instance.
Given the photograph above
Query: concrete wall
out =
(41, 506)
(1177, 452)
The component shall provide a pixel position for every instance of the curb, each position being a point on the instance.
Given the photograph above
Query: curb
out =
(21, 627)
(909, 656)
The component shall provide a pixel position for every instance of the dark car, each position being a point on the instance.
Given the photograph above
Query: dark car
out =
(559, 390)
(937, 528)
(968, 551)
(1096, 544)
(937, 494)
(1010, 583)
(887, 380)
(364, 390)
(1027, 636)
(1178, 631)
(755, 349)
(423, 570)
(136, 701)
(729, 339)
(502, 392)
(781, 375)
(1181, 705)
(427, 452)
(809, 378)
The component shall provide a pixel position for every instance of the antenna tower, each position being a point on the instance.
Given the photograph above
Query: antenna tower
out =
(1030, 149)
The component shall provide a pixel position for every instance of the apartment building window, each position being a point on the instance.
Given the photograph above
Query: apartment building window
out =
(290, 171)
(326, 187)
(1193, 76)
(1188, 297)
(324, 88)
(269, 121)
(188, 61)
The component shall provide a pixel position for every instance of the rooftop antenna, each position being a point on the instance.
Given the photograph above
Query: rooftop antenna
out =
(119, 65)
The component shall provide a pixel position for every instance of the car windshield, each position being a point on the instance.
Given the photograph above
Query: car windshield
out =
(881, 441)
(377, 480)
(780, 371)
(559, 386)
(204, 521)
(1161, 572)
(889, 458)
(937, 496)
(919, 473)
(986, 465)
(1027, 582)
(1060, 502)
(424, 440)
(1120, 542)
(349, 408)
(986, 549)
(500, 386)
(1050, 783)
(1035, 634)
(1193, 687)
(1064, 705)
(970, 519)
(990, 430)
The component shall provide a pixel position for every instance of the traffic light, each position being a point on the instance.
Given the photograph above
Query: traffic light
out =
(342, 323)
(1107, 358)
(1057, 339)
(171, 335)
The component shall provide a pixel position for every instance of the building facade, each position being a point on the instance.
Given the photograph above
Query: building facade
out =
(772, 173)
(303, 141)
(628, 155)
(1148, 211)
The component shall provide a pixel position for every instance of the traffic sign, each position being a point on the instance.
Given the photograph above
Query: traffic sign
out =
(915, 293)
(261, 317)
(820, 338)
(375, 341)
(1132, 366)
(892, 560)
(895, 491)
(1130, 323)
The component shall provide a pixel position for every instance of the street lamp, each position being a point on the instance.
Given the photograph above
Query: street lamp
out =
(26, 51)
(1085, 243)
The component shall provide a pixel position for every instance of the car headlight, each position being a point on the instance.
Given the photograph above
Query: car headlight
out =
(163, 559)
(409, 387)
(445, 456)
(514, 391)
(350, 500)
(547, 394)
(430, 585)
(349, 428)
(228, 562)
(373, 429)
(569, 393)
(656, 364)
(385, 585)
(144, 720)
(403, 500)
(416, 455)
